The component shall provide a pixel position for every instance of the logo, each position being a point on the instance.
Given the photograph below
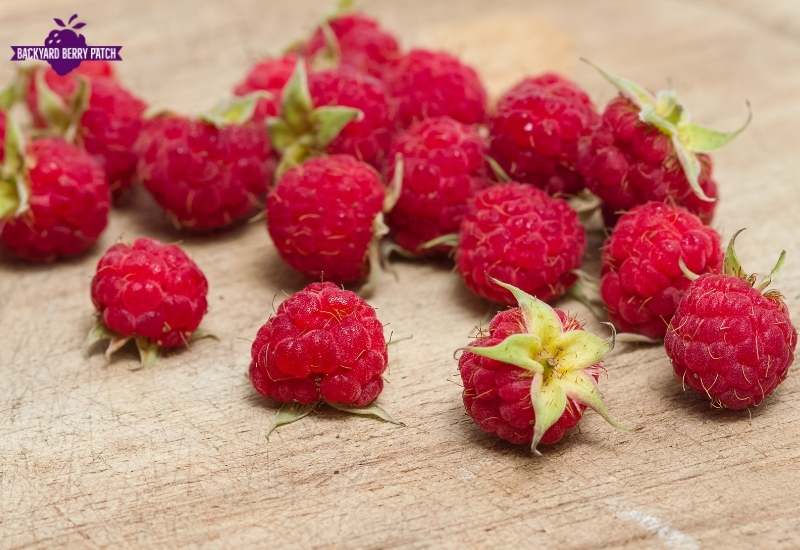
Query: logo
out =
(65, 48)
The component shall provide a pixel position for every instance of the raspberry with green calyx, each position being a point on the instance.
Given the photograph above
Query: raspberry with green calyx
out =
(647, 148)
(537, 369)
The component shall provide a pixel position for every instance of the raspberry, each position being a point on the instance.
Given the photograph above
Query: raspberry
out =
(628, 162)
(150, 292)
(536, 129)
(107, 125)
(331, 112)
(443, 166)
(366, 138)
(268, 75)
(425, 84)
(530, 379)
(360, 44)
(730, 339)
(323, 344)
(323, 216)
(205, 176)
(518, 233)
(647, 149)
(67, 201)
(642, 281)
(63, 86)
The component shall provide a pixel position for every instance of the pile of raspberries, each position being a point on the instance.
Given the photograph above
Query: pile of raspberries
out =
(358, 152)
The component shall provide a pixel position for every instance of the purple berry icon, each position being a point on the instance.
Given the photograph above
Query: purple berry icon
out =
(65, 37)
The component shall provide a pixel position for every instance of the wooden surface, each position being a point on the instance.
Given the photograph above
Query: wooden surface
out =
(96, 455)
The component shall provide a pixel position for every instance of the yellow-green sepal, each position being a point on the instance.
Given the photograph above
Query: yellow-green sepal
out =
(237, 110)
(62, 117)
(328, 122)
(577, 350)
(733, 267)
(288, 413)
(549, 402)
(540, 318)
(582, 388)
(14, 191)
(517, 349)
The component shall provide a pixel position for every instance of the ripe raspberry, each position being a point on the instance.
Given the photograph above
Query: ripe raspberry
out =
(57, 200)
(63, 86)
(324, 215)
(104, 117)
(646, 149)
(532, 377)
(359, 43)
(536, 129)
(323, 344)
(205, 175)
(425, 84)
(729, 339)
(642, 281)
(150, 292)
(268, 75)
(443, 166)
(518, 233)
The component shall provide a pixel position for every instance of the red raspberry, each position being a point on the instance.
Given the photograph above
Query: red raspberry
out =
(629, 162)
(151, 292)
(68, 203)
(366, 138)
(361, 43)
(642, 281)
(536, 129)
(323, 216)
(205, 176)
(729, 340)
(518, 233)
(64, 86)
(531, 378)
(443, 166)
(425, 84)
(109, 125)
(268, 75)
(323, 344)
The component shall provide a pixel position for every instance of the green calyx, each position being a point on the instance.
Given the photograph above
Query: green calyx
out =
(149, 351)
(288, 413)
(561, 362)
(668, 115)
(62, 117)
(377, 254)
(237, 110)
(732, 267)
(303, 131)
(14, 189)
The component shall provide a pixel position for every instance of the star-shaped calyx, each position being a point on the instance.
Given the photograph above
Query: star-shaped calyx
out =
(562, 362)
(14, 187)
(302, 130)
(669, 116)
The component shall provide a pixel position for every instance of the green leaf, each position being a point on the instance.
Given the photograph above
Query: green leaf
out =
(288, 413)
(703, 140)
(296, 104)
(582, 388)
(329, 121)
(636, 93)
(517, 349)
(373, 411)
(691, 168)
(540, 318)
(549, 401)
(731, 264)
(576, 350)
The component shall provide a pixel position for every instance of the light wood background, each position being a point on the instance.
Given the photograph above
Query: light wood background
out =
(98, 456)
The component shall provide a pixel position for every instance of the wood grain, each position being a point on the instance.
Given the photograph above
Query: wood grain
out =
(98, 456)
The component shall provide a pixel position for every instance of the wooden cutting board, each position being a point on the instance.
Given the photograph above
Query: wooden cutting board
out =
(96, 455)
